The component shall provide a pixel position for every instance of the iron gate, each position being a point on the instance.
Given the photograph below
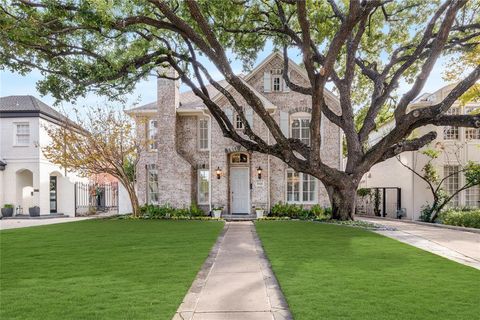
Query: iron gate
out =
(94, 198)
(382, 201)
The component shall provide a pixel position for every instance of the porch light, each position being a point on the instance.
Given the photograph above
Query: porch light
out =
(259, 172)
(218, 172)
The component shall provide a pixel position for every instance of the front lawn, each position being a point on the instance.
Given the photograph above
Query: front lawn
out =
(335, 272)
(104, 269)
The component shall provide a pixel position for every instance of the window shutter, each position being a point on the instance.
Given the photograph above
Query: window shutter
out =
(285, 87)
(249, 116)
(267, 84)
(284, 123)
(229, 114)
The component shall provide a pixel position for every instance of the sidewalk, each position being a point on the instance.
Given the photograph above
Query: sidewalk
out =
(456, 245)
(23, 223)
(235, 282)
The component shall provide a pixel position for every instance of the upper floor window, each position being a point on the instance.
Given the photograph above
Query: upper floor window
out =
(300, 128)
(203, 128)
(238, 122)
(472, 133)
(152, 184)
(451, 133)
(152, 134)
(273, 81)
(301, 187)
(22, 134)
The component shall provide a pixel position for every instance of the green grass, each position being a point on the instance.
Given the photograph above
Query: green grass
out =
(108, 269)
(335, 272)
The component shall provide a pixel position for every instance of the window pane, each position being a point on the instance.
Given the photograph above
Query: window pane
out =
(152, 184)
(472, 197)
(451, 183)
(203, 134)
(203, 186)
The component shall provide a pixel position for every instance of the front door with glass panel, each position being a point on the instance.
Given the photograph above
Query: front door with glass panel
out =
(53, 194)
(240, 190)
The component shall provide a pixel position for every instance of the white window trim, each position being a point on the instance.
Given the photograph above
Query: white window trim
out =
(149, 169)
(300, 190)
(237, 121)
(200, 148)
(299, 116)
(198, 187)
(149, 129)
(15, 136)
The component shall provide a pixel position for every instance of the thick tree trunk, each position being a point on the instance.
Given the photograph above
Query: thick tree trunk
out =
(343, 201)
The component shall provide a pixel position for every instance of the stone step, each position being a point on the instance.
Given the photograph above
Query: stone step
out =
(239, 217)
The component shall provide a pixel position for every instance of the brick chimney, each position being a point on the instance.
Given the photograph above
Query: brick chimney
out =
(175, 173)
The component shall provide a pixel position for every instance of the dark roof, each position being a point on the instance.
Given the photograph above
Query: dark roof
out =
(28, 105)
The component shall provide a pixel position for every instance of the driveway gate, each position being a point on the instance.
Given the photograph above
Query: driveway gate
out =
(93, 198)
(382, 201)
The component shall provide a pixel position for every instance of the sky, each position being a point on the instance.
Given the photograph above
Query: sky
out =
(145, 91)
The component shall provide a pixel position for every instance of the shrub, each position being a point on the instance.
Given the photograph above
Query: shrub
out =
(461, 217)
(425, 213)
(295, 211)
(150, 211)
(8, 206)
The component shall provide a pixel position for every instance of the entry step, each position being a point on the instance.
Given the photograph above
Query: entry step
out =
(239, 217)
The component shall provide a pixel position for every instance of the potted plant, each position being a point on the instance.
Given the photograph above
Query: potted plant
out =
(34, 211)
(259, 211)
(217, 212)
(7, 210)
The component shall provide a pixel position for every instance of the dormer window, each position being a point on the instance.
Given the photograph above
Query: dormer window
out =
(238, 122)
(277, 80)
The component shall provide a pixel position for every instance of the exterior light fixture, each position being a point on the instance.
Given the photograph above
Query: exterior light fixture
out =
(259, 172)
(218, 172)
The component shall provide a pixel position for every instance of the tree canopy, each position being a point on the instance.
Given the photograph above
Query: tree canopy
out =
(363, 49)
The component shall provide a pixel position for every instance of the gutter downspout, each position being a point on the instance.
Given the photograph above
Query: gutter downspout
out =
(209, 160)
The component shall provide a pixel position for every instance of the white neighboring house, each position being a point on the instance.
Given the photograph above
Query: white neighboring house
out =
(27, 178)
(460, 145)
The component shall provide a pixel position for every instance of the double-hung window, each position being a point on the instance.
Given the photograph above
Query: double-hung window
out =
(472, 197)
(472, 133)
(152, 134)
(451, 133)
(152, 184)
(203, 128)
(238, 122)
(300, 129)
(301, 187)
(22, 134)
(276, 80)
(203, 186)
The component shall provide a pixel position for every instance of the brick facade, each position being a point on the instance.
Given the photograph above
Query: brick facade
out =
(178, 157)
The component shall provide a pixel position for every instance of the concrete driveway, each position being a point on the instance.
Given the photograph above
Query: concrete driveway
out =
(460, 246)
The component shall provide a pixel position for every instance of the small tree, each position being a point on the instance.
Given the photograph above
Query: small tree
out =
(103, 141)
(430, 175)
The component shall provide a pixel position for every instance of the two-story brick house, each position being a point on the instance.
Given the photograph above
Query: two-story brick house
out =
(189, 160)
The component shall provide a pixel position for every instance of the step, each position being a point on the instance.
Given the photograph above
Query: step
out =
(239, 217)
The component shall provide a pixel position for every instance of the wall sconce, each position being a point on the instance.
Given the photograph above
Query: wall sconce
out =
(259, 172)
(218, 172)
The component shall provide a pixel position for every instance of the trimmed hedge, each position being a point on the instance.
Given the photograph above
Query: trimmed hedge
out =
(295, 211)
(150, 211)
(463, 218)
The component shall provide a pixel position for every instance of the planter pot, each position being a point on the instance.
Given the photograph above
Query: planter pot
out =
(7, 212)
(217, 213)
(260, 213)
(34, 211)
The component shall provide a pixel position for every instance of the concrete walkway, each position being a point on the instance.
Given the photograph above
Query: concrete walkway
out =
(23, 223)
(456, 245)
(236, 281)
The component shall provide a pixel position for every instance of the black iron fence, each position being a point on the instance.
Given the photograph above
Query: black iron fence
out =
(381, 201)
(94, 198)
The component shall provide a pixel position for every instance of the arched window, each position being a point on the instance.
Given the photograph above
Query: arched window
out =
(300, 127)
(239, 158)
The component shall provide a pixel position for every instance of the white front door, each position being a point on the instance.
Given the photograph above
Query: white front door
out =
(240, 190)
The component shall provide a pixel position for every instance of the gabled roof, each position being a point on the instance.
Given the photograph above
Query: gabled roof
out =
(28, 106)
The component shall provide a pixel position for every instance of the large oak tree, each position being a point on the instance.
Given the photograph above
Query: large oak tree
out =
(361, 49)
